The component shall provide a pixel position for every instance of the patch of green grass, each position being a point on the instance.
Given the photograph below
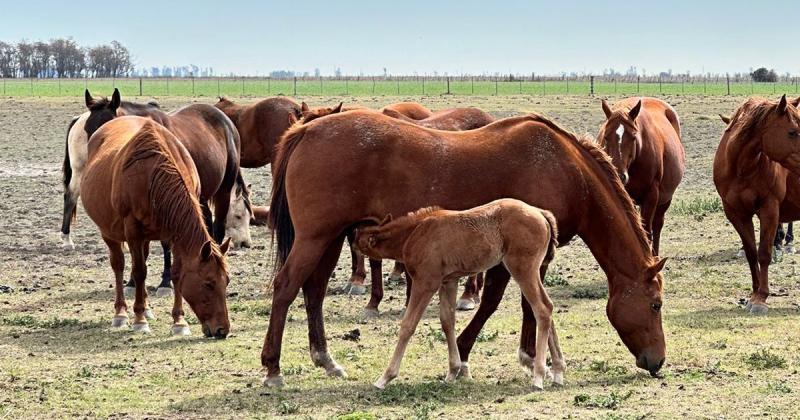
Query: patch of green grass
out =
(779, 388)
(553, 277)
(484, 336)
(357, 415)
(611, 401)
(590, 293)
(765, 359)
(601, 366)
(423, 410)
(287, 407)
(29, 321)
(698, 206)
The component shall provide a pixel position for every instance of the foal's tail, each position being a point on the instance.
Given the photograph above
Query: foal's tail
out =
(551, 248)
(280, 221)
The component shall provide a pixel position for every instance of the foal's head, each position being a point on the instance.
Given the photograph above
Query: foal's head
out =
(309, 114)
(373, 241)
(203, 281)
(620, 137)
(237, 225)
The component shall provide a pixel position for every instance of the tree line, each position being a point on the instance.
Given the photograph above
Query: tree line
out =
(63, 57)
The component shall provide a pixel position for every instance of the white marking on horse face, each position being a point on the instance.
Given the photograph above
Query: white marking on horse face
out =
(620, 132)
(237, 224)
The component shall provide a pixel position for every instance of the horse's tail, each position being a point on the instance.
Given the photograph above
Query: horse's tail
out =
(674, 119)
(240, 183)
(551, 247)
(66, 167)
(280, 221)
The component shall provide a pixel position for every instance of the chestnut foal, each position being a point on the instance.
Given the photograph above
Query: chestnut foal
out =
(439, 246)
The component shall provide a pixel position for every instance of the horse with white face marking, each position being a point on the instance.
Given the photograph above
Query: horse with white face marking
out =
(643, 138)
(438, 246)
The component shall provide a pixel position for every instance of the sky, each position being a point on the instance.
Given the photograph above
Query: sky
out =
(423, 37)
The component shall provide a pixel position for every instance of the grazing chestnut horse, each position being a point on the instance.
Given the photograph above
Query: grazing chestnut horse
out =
(140, 185)
(394, 168)
(260, 126)
(411, 110)
(756, 170)
(455, 119)
(643, 139)
(438, 246)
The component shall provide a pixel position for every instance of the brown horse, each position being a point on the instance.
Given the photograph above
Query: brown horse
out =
(455, 119)
(643, 139)
(411, 110)
(260, 126)
(395, 167)
(438, 246)
(140, 184)
(756, 170)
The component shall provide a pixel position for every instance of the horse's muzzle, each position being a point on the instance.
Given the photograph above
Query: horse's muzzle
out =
(650, 365)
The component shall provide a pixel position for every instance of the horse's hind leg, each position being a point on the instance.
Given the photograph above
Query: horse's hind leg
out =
(117, 260)
(658, 224)
(70, 208)
(789, 240)
(139, 274)
(496, 281)
(359, 271)
(421, 293)
(744, 227)
(313, 295)
(471, 295)
(165, 288)
(222, 204)
(556, 357)
(447, 316)
(376, 287)
(397, 272)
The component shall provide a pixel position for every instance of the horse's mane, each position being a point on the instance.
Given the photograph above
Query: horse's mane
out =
(172, 202)
(752, 113)
(604, 162)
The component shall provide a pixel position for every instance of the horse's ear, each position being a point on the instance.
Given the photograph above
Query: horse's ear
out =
(88, 98)
(726, 120)
(116, 100)
(635, 110)
(304, 107)
(606, 108)
(372, 241)
(656, 268)
(338, 109)
(225, 245)
(205, 252)
(386, 219)
(796, 102)
(782, 105)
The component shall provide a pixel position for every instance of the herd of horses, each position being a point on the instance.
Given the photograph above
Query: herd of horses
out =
(478, 197)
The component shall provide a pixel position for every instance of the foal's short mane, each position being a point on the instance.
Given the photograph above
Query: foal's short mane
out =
(604, 162)
(173, 205)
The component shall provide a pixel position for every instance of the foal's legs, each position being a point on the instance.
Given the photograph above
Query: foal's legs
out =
(397, 272)
(556, 357)
(376, 289)
(421, 293)
(359, 273)
(117, 259)
(139, 273)
(471, 295)
(447, 316)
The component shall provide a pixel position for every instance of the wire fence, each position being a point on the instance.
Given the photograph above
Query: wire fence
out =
(401, 86)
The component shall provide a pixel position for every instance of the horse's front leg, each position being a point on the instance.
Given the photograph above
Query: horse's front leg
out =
(117, 260)
(376, 287)
(768, 215)
(179, 325)
(139, 274)
(165, 288)
(648, 211)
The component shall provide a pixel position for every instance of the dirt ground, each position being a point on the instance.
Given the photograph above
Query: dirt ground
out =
(58, 356)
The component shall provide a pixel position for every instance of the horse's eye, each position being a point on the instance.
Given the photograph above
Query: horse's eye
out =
(656, 306)
(793, 133)
(209, 285)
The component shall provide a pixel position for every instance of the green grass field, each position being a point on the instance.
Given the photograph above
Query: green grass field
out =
(267, 87)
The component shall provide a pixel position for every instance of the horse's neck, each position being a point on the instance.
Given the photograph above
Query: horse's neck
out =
(745, 157)
(611, 233)
(398, 234)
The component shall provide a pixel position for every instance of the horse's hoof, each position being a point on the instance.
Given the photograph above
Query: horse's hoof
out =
(465, 305)
(66, 242)
(119, 322)
(164, 292)
(148, 314)
(336, 371)
(357, 290)
(452, 374)
(395, 278)
(276, 381)
(381, 383)
(538, 384)
(181, 330)
(759, 309)
(748, 305)
(143, 328)
(524, 360)
(558, 379)
(464, 373)
(740, 254)
(371, 313)
(129, 292)
(789, 249)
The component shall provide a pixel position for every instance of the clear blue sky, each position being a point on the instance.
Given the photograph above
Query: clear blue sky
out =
(407, 36)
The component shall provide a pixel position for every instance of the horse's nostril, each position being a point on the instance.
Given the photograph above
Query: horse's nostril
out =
(221, 333)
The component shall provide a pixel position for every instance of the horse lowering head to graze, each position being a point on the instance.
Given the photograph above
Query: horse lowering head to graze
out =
(412, 110)
(643, 138)
(438, 246)
(141, 184)
(756, 169)
(395, 167)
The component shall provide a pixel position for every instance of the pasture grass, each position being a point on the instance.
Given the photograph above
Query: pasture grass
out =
(59, 358)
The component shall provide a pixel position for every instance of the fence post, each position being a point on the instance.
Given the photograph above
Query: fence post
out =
(520, 86)
(638, 84)
(591, 85)
(193, 86)
(346, 87)
(295, 86)
(567, 80)
(242, 86)
(4, 87)
(423, 87)
(495, 86)
(544, 86)
(373, 85)
(59, 86)
(398, 86)
(31, 86)
(472, 83)
(615, 85)
(660, 84)
(728, 78)
(705, 85)
(140, 87)
(320, 85)
(795, 85)
(219, 92)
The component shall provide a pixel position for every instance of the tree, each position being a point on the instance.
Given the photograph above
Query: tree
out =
(24, 55)
(68, 58)
(41, 63)
(8, 60)
(764, 75)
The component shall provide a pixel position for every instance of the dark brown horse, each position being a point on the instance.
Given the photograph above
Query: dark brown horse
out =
(395, 167)
(260, 126)
(643, 139)
(756, 170)
(140, 184)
